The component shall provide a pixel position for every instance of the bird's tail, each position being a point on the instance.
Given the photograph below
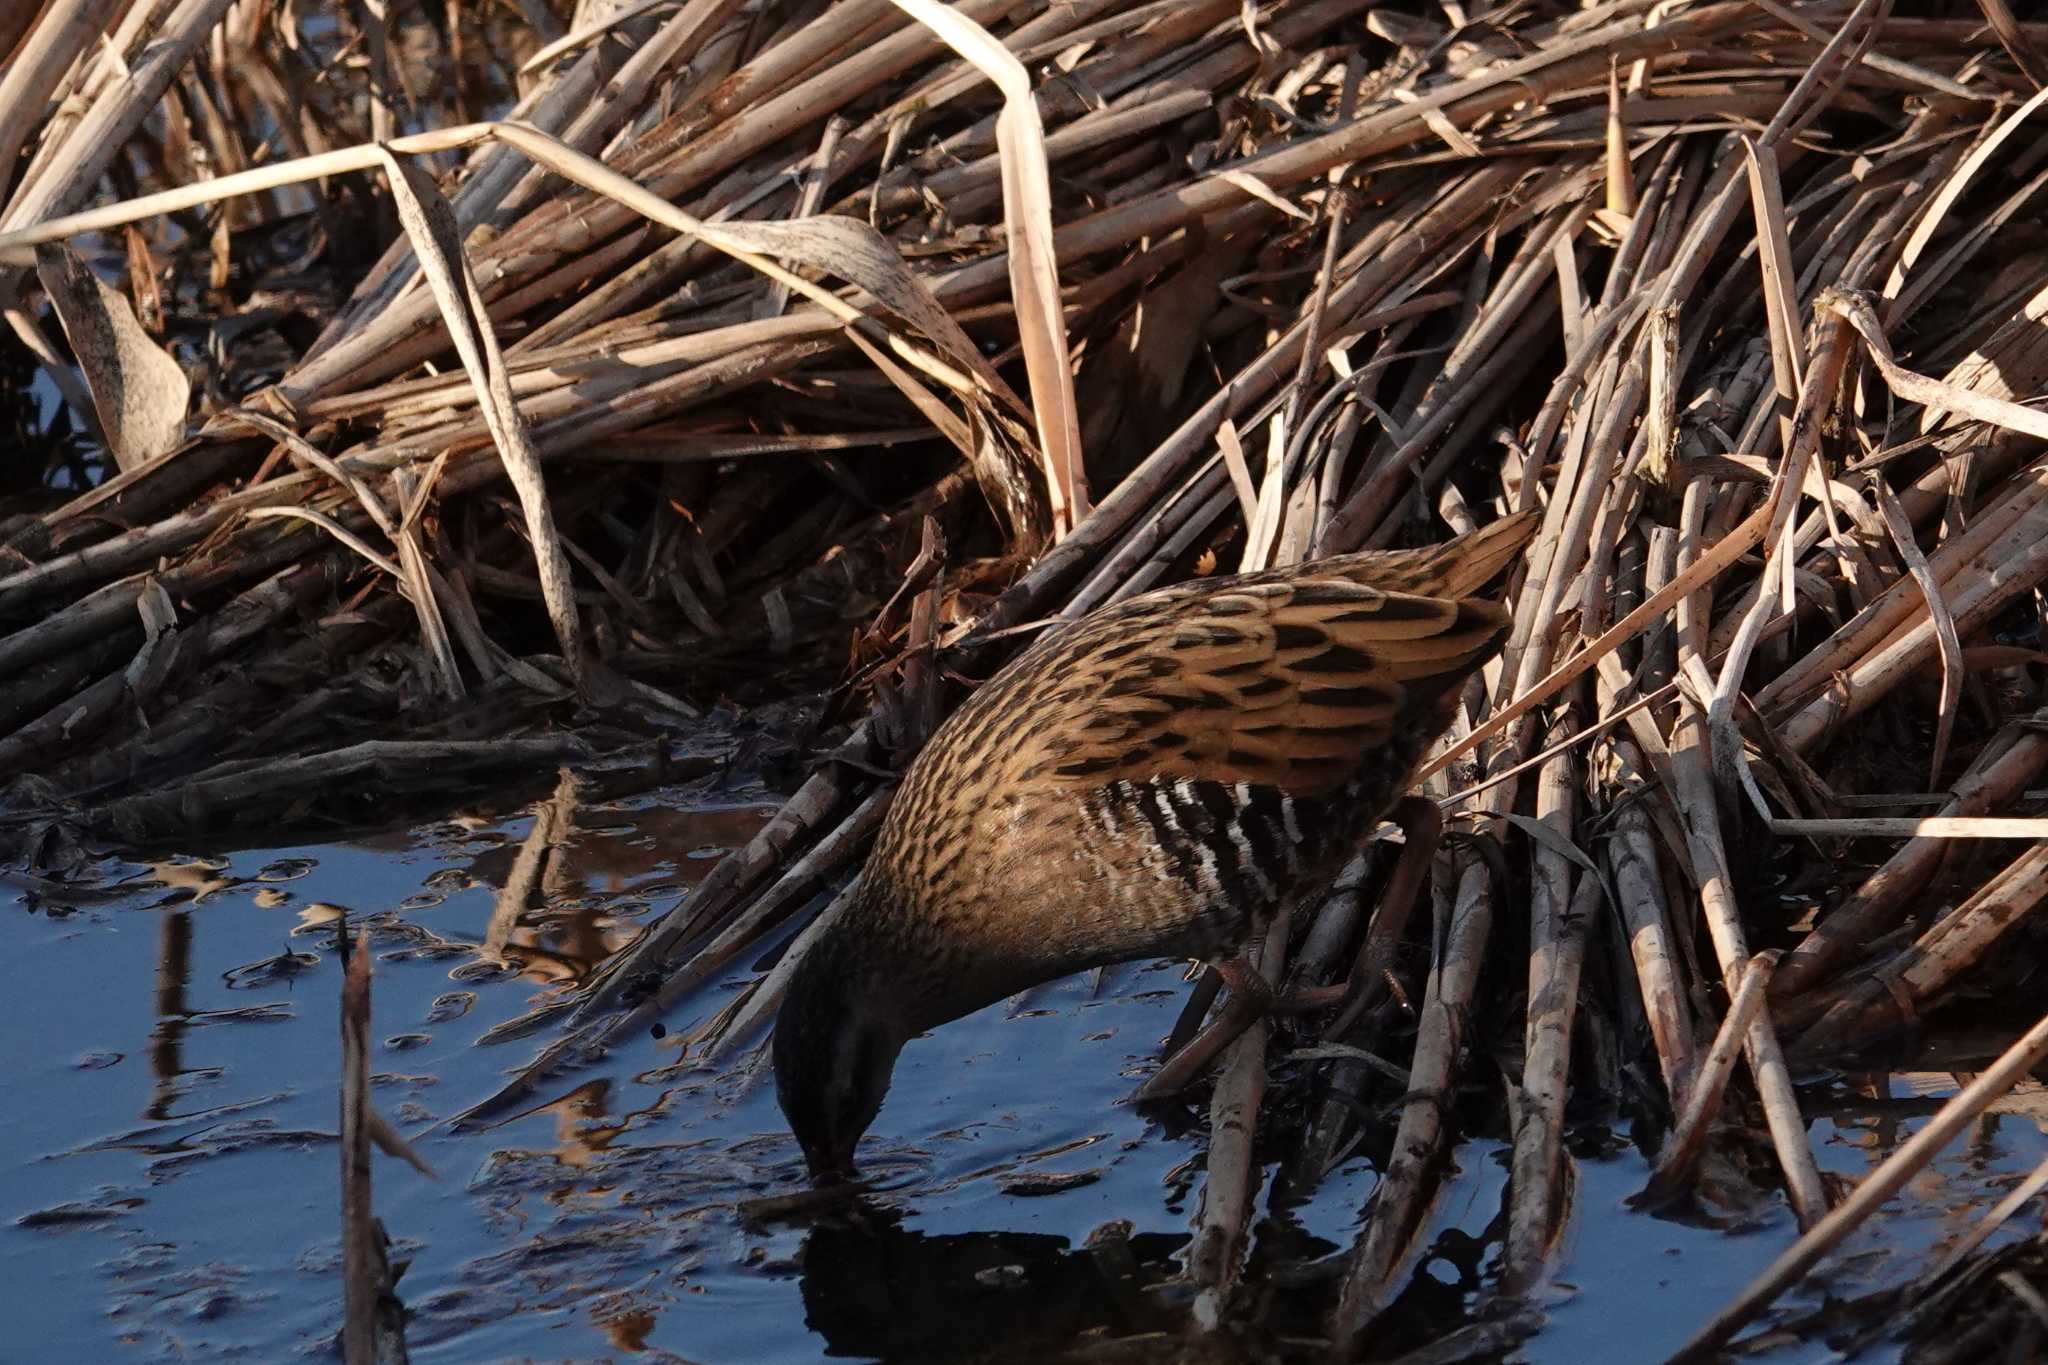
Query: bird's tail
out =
(1456, 569)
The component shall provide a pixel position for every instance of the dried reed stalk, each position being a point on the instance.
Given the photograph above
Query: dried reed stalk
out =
(662, 375)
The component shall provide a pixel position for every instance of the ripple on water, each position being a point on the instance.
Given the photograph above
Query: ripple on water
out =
(168, 1170)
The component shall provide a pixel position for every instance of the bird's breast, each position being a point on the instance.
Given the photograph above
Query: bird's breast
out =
(1058, 878)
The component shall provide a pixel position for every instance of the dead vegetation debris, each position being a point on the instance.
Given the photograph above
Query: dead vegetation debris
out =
(554, 377)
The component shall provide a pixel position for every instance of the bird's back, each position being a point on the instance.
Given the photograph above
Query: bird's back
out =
(1155, 778)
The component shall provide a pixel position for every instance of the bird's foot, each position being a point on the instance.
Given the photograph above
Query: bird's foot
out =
(1251, 999)
(1179, 1071)
(1245, 981)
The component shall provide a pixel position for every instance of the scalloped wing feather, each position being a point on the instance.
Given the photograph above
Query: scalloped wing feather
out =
(1288, 684)
(1456, 569)
(1284, 678)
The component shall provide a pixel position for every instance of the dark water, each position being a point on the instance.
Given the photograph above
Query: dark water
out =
(168, 1170)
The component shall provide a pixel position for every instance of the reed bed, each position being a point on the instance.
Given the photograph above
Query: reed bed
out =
(717, 349)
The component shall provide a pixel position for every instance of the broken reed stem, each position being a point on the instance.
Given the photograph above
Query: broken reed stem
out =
(1216, 1257)
(1699, 811)
(1726, 552)
(1395, 1216)
(1872, 908)
(1541, 1170)
(554, 822)
(1632, 864)
(733, 876)
(1493, 303)
(1704, 1097)
(1559, 918)
(1892, 996)
(359, 1255)
(1875, 1188)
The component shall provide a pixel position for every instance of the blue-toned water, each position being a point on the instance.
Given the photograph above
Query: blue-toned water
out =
(169, 1175)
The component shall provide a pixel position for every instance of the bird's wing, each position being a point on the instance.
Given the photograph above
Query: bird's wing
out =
(1455, 569)
(1286, 683)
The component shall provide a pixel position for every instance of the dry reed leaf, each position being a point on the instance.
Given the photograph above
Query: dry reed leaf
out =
(1959, 180)
(305, 450)
(733, 240)
(988, 438)
(1621, 179)
(437, 242)
(1951, 648)
(1034, 271)
(1240, 470)
(1554, 840)
(1854, 307)
(417, 576)
(16, 244)
(395, 1144)
(1262, 532)
(2024, 54)
(1259, 190)
(333, 528)
(138, 390)
(960, 434)
(856, 253)
(143, 271)
(810, 199)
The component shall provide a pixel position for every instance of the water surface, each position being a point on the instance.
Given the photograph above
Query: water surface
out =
(169, 1173)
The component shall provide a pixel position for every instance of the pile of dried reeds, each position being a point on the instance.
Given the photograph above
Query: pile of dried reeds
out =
(1747, 297)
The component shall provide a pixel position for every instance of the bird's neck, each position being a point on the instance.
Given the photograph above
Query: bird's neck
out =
(893, 956)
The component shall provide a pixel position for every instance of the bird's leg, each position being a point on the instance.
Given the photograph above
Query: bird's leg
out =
(1245, 980)
(1422, 823)
(1193, 1011)
(1309, 999)
(1250, 999)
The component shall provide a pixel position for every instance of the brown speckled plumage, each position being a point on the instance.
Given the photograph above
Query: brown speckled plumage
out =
(1152, 780)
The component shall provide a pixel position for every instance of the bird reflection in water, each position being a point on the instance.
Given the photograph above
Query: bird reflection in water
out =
(874, 1288)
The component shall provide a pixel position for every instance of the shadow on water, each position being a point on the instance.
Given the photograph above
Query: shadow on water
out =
(168, 1163)
(872, 1288)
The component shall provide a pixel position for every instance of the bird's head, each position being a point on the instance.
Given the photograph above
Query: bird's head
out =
(836, 1042)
